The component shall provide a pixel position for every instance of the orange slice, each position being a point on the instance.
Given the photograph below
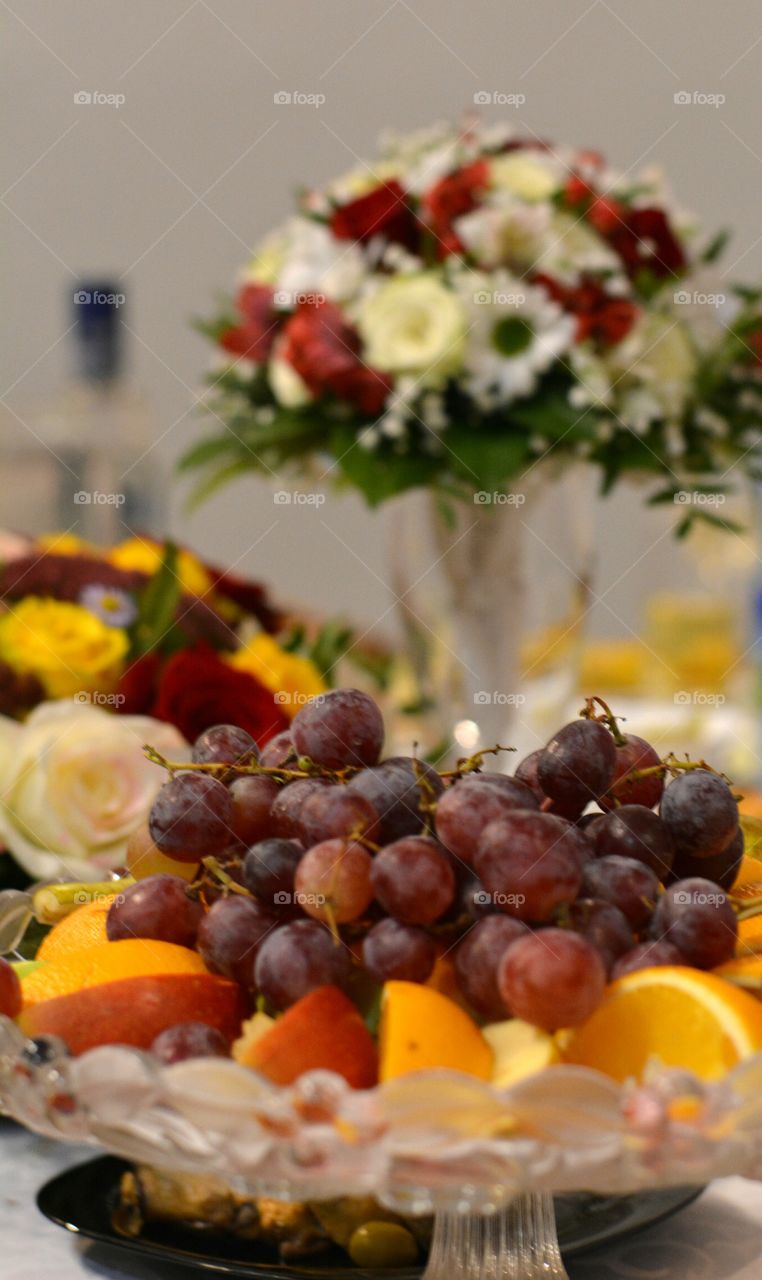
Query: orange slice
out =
(85, 927)
(108, 962)
(681, 1016)
(420, 1029)
(744, 971)
(749, 937)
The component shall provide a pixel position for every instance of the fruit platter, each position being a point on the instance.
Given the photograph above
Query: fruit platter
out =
(333, 996)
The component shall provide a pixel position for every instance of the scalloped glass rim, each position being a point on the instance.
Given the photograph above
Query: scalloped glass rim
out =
(433, 1141)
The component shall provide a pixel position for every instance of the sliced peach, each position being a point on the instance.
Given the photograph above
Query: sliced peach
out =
(324, 1031)
(134, 1010)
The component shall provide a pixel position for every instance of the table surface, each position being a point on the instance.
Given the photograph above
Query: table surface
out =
(719, 1237)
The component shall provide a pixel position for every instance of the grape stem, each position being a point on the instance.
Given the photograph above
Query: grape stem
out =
(217, 870)
(670, 764)
(608, 718)
(470, 764)
(306, 770)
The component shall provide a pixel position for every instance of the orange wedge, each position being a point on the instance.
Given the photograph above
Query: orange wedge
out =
(107, 962)
(421, 1028)
(681, 1016)
(749, 941)
(85, 927)
(745, 971)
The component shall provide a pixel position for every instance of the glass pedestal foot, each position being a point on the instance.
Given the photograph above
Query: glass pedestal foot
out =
(519, 1243)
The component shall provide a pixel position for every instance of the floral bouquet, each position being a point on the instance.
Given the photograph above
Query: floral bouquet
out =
(474, 302)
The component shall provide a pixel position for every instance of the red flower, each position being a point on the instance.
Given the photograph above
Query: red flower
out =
(384, 211)
(324, 349)
(754, 343)
(603, 318)
(454, 195)
(255, 336)
(196, 689)
(645, 241)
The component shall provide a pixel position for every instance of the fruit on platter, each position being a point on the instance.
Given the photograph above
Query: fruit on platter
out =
(317, 906)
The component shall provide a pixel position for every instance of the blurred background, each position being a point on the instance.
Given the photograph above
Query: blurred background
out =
(168, 187)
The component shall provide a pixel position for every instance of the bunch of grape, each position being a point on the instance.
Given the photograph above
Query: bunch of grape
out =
(322, 865)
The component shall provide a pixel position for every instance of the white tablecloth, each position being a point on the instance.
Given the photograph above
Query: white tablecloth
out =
(719, 1237)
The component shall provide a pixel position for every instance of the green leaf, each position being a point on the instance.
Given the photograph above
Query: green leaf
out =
(157, 605)
(216, 480)
(716, 246)
(205, 451)
(485, 459)
(380, 474)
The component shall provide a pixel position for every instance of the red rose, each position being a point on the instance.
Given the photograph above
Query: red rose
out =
(137, 687)
(324, 349)
(256, 334)
(196, 689)
(384, 211)
(645, 241)
(450, 198)
(602, 317)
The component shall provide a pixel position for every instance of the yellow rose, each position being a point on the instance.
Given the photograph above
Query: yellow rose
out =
(291, 678)
(524, 175)
(416, 325)
(68, 544)
(66, 647)
(145, 556)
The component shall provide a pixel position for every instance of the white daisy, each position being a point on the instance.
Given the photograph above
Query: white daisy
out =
(317, 263)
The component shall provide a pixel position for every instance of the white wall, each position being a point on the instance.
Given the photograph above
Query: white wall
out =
(174, 188)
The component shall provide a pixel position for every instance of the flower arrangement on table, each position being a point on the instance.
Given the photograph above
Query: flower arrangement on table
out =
(103, 650)
(472, 303)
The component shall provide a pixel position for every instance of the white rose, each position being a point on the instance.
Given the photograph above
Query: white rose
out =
(659, 355)
(317, 263)
(415, 325)
(76, 784)
(525, 175)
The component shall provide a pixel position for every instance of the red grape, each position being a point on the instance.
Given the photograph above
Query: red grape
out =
(625, 883)
(191, 817)
(392, 950)
(158, 907)
(394, 790)
(10, 990)
(333, 881)
(466, 808)
(269, 869)
(298, 958)
(696, 917)
(224, 744)
(604, 926)
(335, 811)
(701, 813)
(647, 955)
(279, 752)
(633, 831)
(413, 880)
(340, 728)
(552, 978)
(189, 1040)
(722, 868)
(530, 864)
(526, 771)
(634, 753)
(253, 797)
(477, 959)
(577, 765)
(230, 936)
(288, 804)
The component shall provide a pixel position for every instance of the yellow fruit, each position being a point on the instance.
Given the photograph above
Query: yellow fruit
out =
(420, 1029)
(85, 927)
(680, 1016)
(251, 1033)
(108, 962)
(519, 1050)
(744, 971)
(749, 937)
